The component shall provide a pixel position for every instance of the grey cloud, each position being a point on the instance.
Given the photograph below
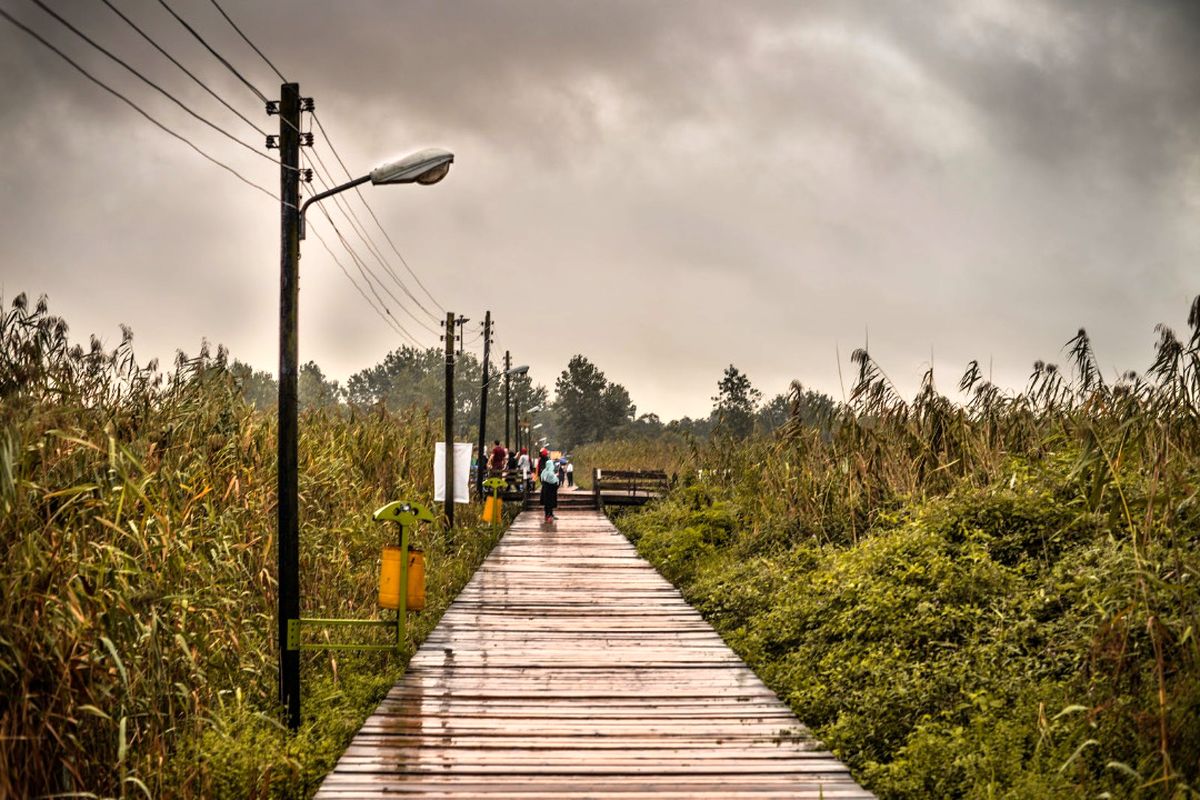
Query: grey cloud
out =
(700, 178)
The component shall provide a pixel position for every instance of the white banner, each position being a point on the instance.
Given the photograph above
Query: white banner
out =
(462, 472)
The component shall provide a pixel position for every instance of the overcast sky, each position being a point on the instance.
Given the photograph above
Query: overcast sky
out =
(665, 187)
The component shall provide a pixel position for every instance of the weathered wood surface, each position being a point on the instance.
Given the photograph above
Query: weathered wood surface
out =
(569, 668)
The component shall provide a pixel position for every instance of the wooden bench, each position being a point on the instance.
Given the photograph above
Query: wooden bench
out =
(620, 487)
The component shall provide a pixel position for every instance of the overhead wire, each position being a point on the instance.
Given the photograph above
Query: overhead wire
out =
(359, 229)
(364, 269)
(185, 70)
(364, 272)
(367, 273)
(391, 323)
(353, 282)
(246, 39)
(378, 224)
(347, 212)
(151, 83)
(115, 93)
(216, 55)
(356, 225)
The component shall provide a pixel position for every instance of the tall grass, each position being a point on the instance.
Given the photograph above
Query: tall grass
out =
(996, 597)
(137, 533)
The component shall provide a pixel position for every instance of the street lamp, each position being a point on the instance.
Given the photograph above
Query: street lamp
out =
(521, 370)
(424, 167)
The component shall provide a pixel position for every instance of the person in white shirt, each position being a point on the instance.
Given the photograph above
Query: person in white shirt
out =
(523, 465)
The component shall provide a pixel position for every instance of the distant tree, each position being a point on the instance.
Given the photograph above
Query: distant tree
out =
(258, 387)
(699, 428)
(314, 390)
(590, 408)
(773, 414)
(406, 377)
(798, 406)
(646, 426)
(409, 376)
(735, 403)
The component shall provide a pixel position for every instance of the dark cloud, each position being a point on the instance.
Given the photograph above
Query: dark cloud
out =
(659, 185)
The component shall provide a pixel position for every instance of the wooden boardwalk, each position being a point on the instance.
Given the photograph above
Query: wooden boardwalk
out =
(569, 668)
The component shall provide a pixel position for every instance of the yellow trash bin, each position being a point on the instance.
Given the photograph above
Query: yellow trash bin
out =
(389, 579)
(416, 579)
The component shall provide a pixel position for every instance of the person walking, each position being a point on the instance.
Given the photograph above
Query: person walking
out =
(523, 465)
(498, 459)
(570, 475)
(549, 478)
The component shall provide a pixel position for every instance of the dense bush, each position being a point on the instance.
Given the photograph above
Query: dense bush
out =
(997, 599)
(983, 644)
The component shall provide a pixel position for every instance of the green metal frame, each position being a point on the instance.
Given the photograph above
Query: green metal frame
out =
(407, 514)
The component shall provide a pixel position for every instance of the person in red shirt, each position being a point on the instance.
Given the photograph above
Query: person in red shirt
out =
(499, 459)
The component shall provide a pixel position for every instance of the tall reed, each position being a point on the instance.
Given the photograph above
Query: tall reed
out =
(137, 600)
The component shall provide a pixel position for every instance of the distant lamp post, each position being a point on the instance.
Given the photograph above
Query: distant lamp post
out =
(521, 370)
(424, 167)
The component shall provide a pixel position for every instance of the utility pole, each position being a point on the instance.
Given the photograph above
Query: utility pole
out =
(487, 341)
(507, 380)
(461, 321)
(289, 356)
(449, 323)
(517, 418)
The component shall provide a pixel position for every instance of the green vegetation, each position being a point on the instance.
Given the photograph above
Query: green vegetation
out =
(992, 599)
(997, 599)
(137, 599)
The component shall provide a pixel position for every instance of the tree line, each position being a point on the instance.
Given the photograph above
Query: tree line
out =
(587, 406)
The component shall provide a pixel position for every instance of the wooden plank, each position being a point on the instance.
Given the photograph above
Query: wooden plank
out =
(569, 668)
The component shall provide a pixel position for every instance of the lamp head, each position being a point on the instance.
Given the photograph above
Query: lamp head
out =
(424, 167)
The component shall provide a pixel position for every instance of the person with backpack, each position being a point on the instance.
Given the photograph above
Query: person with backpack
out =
(549, 479)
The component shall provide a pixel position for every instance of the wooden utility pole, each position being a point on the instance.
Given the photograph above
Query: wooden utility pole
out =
(450, 336)
(288, 482)
(507, 381)
(487, 341)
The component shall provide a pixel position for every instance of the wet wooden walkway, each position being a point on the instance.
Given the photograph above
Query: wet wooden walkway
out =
(569, 668)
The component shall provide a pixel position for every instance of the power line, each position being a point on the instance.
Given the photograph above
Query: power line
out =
(372, 245)
(246, 39)
(151, 83)
(216, 55)
(347, 212)
(356, 224)
(382, 314)
(387, 320)
(371, 211)
(364, 270)
(186, 71)
(135, 106)
(362, 198)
